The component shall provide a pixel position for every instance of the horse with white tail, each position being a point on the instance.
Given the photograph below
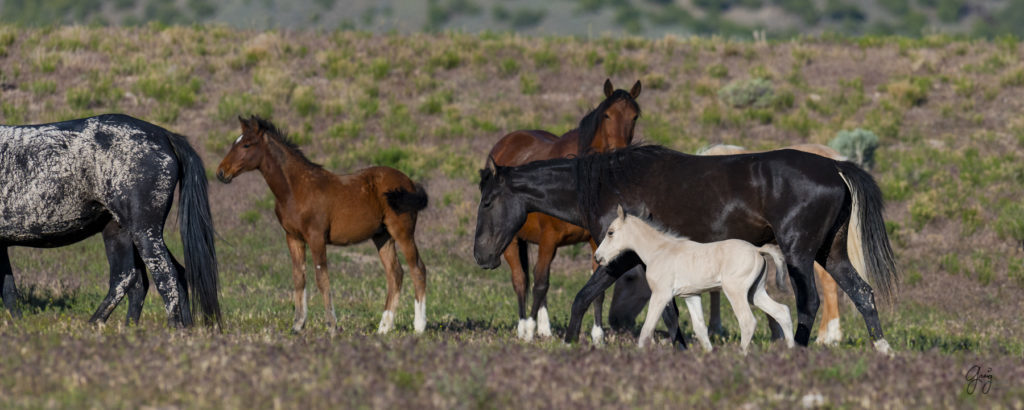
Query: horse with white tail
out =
(677, 266)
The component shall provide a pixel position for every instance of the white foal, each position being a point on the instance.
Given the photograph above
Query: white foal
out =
(677, 266)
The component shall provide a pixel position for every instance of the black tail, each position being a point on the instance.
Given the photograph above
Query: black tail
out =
(868, 246)
(403, 201)
(197, 232)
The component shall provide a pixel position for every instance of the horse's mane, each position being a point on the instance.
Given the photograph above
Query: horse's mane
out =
(271, 130)
(590, 122)
(617, 171)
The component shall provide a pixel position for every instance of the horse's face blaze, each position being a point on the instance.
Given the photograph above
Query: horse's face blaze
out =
(245, 155)
(499, 216)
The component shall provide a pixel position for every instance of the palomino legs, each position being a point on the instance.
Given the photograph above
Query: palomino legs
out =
(659, 299)
(829, 332)
(697, 317)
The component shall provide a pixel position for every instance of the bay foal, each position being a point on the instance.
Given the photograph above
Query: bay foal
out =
(677, 266)
(316, 208)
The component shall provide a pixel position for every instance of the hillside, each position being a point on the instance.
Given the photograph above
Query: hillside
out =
(587, 18)
(950, 164)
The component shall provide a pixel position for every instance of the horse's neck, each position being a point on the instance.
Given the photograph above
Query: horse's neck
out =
(282, 170)
(648, 242)
(558, 193)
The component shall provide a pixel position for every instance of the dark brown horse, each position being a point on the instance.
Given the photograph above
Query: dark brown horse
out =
(317, 208)
(606, 127)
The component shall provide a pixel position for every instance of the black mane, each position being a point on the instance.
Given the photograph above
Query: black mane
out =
(590, 122)
(271, 130)
(616, 170)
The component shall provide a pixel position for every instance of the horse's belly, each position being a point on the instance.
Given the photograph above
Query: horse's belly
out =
(51, 226)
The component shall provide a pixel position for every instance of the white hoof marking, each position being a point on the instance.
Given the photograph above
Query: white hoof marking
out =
(597, 335)
(543, 322)
(419, 323)
(387, 321)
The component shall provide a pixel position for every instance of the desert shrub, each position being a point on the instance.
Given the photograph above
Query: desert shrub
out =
(1011, 222)
(754, 92)
(305, 101)
(859, 145)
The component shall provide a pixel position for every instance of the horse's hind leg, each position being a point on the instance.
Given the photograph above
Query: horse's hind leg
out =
(860, 293)
(9, 292)
(737, 295)
(297, 249)
(716, 313)
(829, 332)
(775, 310)
(393, 270)
(318, 247)
(151, 246)
(121, 258)
(404, 234)
(515, 255)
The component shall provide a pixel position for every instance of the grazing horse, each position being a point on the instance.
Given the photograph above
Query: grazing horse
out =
(607, 127)
(677, 266)
(316, 208)
(65, 181)
(815, 208)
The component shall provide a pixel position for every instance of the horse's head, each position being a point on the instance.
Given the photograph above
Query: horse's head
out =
(247, 151)
(500, 215)
(611, 124)
(616, 239)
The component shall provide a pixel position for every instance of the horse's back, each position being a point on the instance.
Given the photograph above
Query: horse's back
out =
(523, 146)
(59, 177)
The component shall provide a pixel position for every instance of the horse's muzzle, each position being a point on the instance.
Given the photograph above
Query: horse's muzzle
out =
(223, 177)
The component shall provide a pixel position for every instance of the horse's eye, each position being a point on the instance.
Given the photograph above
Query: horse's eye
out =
(611, 233)
(487, 204)
(246, 145)
(606, 116)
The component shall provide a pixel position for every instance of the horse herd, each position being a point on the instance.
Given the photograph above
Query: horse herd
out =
(698, 223)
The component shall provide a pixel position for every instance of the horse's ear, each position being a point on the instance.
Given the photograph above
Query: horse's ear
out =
(619, 212)
(635, 92)
(243, 122)
(490, 164)
(608, 87)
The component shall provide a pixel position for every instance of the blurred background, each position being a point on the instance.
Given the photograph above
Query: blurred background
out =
(655, 18)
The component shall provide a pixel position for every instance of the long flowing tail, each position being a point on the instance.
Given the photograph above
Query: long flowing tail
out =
(781, 271)
(403, 201)
(197, 232)
(867, 242)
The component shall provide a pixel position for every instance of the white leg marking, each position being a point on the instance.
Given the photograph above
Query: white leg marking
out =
(300, 316)
(543, 322)
(521, 329)
(387, 320)
(531, 326)
(597, 335)
(833, 334)
(419, 323)
(883, 347)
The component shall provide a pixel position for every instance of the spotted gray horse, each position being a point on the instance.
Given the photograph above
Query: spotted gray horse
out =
(65, 181)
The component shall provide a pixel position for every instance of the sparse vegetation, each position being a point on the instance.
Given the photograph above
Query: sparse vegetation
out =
(950, 169)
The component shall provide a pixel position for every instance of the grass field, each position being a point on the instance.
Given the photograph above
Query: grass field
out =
(948, 114)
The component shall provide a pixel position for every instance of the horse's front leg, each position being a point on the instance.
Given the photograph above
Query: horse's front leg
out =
(9, 292)
(318, 248)
(515, 255)
(297, 248)
(545, 254)
(659, 299)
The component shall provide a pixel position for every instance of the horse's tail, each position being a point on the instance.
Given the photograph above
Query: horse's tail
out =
(781, 271)
(196, 232)
(403, 201)
(867, 242)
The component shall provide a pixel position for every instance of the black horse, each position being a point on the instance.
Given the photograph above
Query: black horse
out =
(65, 181)
(780, 196)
